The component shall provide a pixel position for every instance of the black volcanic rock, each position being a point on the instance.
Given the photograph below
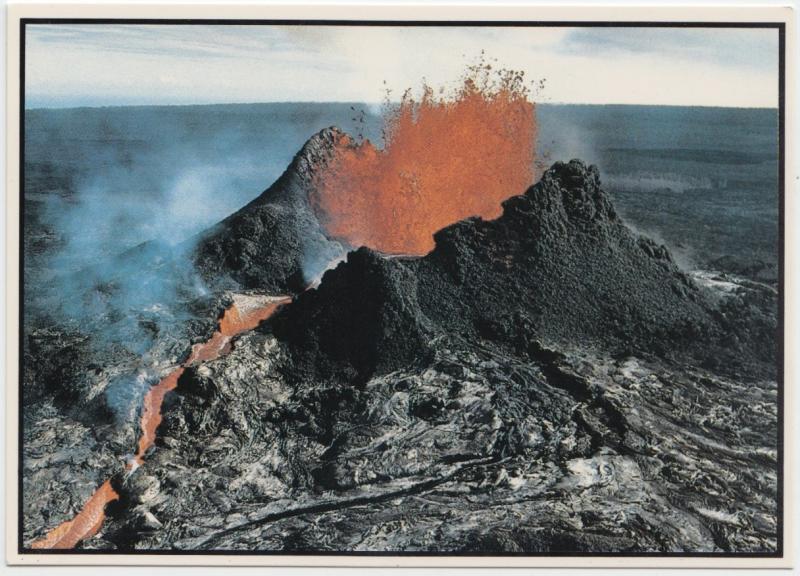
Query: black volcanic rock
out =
(559, 266)
(752, 268)
(98, 337)
(365, 316)
(562, 263)
(472, 448)
(275, 243)
(527, 387)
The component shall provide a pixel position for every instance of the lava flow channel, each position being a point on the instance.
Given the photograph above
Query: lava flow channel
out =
(244, 314)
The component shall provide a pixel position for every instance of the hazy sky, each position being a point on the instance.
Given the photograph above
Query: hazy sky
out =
(71, 65)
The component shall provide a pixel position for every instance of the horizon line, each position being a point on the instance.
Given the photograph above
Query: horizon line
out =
(368, 103)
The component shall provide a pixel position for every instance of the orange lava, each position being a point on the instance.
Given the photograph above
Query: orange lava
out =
(445, 158)
(151, 411)
(234, 321)
(85, 525)
(89, 520)
(208, 350)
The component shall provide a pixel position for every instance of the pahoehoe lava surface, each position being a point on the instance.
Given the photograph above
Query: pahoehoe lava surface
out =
(85, 375)
(91, 355)
(544, 382)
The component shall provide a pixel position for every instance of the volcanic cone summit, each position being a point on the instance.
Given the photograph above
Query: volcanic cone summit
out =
(275, 242)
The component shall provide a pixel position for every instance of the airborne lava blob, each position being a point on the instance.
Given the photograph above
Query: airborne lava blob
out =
(446, 157)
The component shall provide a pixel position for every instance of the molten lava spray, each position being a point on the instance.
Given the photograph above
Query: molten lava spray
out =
(445, 158)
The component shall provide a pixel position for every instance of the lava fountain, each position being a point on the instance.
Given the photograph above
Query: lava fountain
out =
(244, 314)
(445, 157)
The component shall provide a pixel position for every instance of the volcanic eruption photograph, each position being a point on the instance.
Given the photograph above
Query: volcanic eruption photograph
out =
(400, 288)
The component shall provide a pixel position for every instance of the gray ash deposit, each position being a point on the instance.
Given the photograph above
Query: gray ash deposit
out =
(546, 382)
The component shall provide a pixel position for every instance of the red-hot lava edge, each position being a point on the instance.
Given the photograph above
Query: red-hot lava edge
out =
(89, 520)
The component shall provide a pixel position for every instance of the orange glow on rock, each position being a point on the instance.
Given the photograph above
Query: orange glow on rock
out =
(445, 158)
(235, 320)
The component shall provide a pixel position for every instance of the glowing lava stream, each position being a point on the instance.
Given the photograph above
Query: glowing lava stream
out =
(244, 314)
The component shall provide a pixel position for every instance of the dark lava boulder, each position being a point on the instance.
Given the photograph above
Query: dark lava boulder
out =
(275, 242)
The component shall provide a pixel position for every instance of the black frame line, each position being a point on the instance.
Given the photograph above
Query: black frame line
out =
(780, 26)
(394, 23)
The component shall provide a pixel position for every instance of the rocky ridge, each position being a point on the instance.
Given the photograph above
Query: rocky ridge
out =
(103, 335)
(559, 267)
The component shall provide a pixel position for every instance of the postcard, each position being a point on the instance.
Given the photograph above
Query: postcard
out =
(398, 285)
